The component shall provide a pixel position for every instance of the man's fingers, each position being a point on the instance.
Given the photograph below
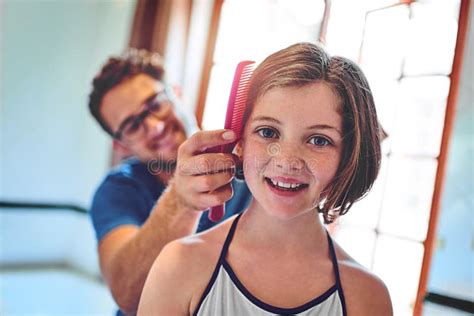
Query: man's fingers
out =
(203, 140)
(217, 197)
(207, 164)
(212, 182)
(202, 200)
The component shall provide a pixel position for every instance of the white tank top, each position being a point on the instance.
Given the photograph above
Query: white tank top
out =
(225, 295)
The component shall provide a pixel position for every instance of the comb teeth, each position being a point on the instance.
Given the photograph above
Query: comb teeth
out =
(234, 115)
(238, 96)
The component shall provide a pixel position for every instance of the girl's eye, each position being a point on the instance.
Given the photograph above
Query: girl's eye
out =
(319, 141)
(266, 132)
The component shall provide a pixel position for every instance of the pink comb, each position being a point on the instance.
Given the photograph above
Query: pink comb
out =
(234, 116)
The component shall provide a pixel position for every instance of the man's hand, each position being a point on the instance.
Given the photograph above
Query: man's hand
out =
(202, 179)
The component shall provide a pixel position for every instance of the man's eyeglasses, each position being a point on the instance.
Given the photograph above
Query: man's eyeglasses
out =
(133, 128)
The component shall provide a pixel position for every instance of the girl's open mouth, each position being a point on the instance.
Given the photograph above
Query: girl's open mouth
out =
(286, 186)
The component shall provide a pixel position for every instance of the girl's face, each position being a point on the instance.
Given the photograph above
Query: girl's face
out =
(292, 146)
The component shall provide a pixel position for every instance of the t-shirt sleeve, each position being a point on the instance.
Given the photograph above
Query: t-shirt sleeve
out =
(118, 201)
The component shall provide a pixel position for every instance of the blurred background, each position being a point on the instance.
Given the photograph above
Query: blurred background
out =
(414, 229)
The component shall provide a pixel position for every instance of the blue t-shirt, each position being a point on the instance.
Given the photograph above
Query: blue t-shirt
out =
(128, 193)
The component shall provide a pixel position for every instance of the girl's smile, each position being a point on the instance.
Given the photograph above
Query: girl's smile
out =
(288, 188)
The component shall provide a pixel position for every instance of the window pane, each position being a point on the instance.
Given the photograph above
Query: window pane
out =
(398, 263)
(366, 212)
(420, 115)
(407, 200)
(253, 29)
(359, 244)
(383, 48)
(386, 92)
(345, 28)
(218, 95)
(432, 38)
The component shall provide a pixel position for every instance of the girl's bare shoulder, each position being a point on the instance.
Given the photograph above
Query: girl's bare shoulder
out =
(199, 253)
(196, 258)
(365, 293)
(181, 272)
(204, 246)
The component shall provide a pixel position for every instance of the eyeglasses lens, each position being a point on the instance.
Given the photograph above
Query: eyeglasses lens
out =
(157, 106)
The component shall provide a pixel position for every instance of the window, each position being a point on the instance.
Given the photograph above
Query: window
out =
(407, 52)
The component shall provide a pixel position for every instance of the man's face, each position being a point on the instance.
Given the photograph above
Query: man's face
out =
(160, 137)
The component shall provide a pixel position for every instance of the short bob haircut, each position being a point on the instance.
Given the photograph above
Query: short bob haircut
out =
(305, 63)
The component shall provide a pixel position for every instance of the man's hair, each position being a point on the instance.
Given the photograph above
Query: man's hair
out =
(305, 63)
(116, 70)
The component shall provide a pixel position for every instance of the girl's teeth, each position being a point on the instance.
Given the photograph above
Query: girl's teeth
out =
(285, 185)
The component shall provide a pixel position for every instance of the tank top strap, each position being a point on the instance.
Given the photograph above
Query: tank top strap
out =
(335, 265)
(332, 253)
(222, 256)
(228, 239)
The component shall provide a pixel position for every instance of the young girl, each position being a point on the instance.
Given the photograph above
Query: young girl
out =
(311, 143)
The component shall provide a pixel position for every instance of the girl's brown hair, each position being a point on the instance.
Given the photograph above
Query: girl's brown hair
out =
(305, 63)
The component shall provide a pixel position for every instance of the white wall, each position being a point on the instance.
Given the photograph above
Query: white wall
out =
(51, 149)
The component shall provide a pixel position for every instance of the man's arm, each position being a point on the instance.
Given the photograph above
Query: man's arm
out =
(127, 252)
(200, 181)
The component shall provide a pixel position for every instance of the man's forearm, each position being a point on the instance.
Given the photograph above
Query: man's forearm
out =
(129, 267)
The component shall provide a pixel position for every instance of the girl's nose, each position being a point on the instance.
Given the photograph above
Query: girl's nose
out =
(287, 157)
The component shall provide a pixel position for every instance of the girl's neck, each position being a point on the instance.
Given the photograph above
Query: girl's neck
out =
(302, 233)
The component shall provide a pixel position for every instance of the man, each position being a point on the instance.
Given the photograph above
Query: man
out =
(158, 195)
